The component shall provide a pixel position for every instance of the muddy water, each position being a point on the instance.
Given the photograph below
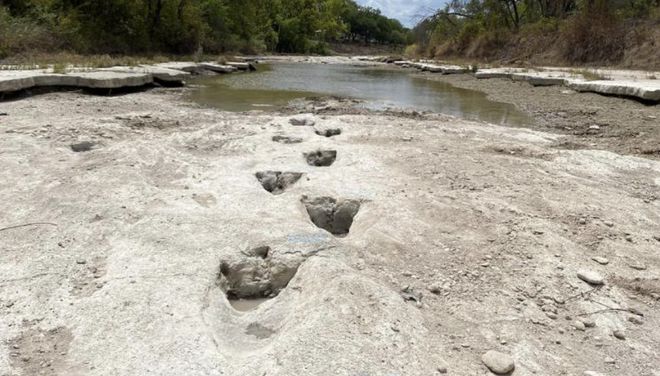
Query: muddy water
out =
(244, 305)
(380, 87)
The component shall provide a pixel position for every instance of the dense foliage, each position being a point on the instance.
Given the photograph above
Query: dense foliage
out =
(190, 26)
(582, 30)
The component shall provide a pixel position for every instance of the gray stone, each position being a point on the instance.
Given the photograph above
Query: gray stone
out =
(589, 323)
(82, 146)
(499, 363)
(287, 139)
(591, 277)
(307, 121)
(217, 68)
(619, 334)
(601, 260)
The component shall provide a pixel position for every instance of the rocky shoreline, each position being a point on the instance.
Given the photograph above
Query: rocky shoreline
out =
(105, 80)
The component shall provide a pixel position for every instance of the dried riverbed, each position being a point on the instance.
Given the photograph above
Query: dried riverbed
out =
(588, 120)
(405, 244)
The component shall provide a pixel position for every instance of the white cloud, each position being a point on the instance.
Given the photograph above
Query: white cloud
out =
(406, 11)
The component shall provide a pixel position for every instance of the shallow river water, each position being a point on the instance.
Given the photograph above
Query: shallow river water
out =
(275, 85)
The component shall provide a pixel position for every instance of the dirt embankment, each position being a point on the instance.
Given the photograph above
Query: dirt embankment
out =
(588, 121)
(632, 44)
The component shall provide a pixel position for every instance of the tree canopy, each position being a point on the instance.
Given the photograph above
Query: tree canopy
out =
(587, 29)
(189, 26)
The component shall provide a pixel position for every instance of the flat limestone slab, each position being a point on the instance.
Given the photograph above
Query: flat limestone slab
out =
(218, 68)
(185, 66)
(20, 80)
(196, 68)
(111, 80)
(436, 68)
(159, 73)
(16, 80)
(648, 90)
(633, 84)
(240, 65)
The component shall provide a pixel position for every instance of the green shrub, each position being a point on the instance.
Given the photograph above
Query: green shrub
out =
(20, 34)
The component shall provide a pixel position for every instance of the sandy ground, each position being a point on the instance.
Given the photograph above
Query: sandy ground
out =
(469, 237)
(589, 121)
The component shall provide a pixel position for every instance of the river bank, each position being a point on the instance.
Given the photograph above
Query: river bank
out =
(589, 120)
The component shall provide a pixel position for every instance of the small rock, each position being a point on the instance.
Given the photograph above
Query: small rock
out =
(609, 223)
(636, 311)
(302, 121)
(591, 373)
(3, 114)
(635, 320)
(287, 139)
(656, 237)
(638, 266)
(609, 360)
(409, 294)
(601, 260)
(591, 277)
(619, 334)
(582, 221)
(442, 369)
(82, 146)
(579, 325)
(435, 288)
(499, 363)
(81, 262)
(589, 323)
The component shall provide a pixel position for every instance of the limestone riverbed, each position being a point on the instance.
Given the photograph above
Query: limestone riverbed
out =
(412, 244)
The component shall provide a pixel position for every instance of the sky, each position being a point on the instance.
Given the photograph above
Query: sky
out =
(406, 11)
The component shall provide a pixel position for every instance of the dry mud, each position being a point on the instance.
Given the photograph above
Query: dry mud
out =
(118, 258)
(587, 120)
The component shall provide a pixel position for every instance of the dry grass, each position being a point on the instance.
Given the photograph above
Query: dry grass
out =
(589, 75)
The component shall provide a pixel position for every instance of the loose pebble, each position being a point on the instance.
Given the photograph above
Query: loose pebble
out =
(591, 277)
(601, 260)
(499, 363)
(618, 334)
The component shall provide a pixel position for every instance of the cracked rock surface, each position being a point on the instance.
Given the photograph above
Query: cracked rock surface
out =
(469, 238)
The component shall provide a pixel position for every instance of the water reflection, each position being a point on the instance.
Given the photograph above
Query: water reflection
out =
(277, 84)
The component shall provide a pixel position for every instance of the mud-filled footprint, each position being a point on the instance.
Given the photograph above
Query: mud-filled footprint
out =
(321, 158)
(328, 132)
(276, 182)
(330, 214)
(255, 277)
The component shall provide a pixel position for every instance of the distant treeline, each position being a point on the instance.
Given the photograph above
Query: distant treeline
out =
(573, 31)
(190, 26)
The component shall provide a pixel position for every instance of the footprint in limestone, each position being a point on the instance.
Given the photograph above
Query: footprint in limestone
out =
(321, 158)
(276, 182)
